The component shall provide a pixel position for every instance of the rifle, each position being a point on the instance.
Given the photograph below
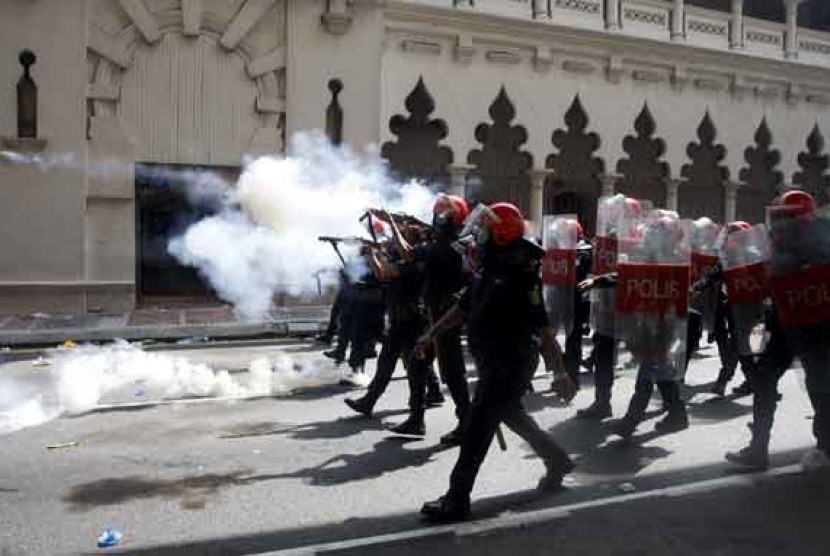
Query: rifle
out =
(349, 240)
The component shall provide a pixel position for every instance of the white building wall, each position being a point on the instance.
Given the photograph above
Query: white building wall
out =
(42, 223)
(315, 56)
(463, 91)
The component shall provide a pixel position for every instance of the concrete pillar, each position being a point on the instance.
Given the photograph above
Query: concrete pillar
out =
(678, 32)
(612, 14)
(458, 176)
(791, 38)
(736, 39)
(537, 196)
(609, 182)
(731, 206)
(672, 187)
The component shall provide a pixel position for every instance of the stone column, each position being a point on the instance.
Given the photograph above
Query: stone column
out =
(612, 15)
(736, 39)
(678, 32)
(540, 9)
(609, 181)
(458, 177)
(731, 206)
(537, 196)
(672, 188)
(791, 38)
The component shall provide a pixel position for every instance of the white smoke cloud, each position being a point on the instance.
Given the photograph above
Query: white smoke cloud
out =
(264, 242)
(85, 378)
(262, 239)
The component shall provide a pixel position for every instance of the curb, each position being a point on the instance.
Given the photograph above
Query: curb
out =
(525, 519)
(43, 338)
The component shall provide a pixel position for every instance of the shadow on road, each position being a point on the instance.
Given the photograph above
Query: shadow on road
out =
(341, 428)
(360, 527)
(388, 455)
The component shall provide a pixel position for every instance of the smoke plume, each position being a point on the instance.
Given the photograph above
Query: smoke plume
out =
(264, 241)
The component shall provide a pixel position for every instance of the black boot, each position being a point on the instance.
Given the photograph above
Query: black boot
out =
(745, 389)
(626, 426)
(452, 438)
(751, 458)
(596, 411)
(360, 405)
(676, 420)
(335, 354)
(435, 399)
(556, 471)
(411, 428)
(446, 510)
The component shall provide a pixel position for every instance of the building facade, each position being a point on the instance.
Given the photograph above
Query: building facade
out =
(705, 106)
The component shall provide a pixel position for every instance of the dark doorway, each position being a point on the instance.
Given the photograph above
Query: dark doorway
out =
(576, 202)
(169, 198)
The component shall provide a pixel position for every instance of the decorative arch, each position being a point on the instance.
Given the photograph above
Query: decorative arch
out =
(210, 47)
(500, 164)
(760, 180)
(813, 162)
(703, 193)
(418, 152)
(575, 185)
(643, 174)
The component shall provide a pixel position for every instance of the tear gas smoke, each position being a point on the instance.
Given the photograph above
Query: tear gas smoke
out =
(84, 378)
(264, 241)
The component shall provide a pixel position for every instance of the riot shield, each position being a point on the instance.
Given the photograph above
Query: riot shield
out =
(799, 267)
(704, 245)
(653, 293)
(559, 239)
(612, 211)
(744, 254)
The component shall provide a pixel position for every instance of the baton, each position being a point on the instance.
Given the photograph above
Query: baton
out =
(500, 439)
(333, 241)
(371, 225)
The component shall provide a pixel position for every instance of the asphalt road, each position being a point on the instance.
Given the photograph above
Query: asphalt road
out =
(246, 477)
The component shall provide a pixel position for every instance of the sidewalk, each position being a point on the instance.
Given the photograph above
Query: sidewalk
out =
(158, 324)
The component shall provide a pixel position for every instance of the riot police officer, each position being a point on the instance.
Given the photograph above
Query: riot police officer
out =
(505, 320)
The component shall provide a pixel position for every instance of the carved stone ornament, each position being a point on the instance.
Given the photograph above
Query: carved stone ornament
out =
(27, 98)
(338, 17)
(417, 153)
(643, 174)
(813, 177)
(575, 184)
(760, 180)
(334, 113)
(703, 193)
(500, 164)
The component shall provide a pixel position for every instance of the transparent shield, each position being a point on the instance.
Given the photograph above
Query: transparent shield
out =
(559, 239)
(612, 211)
(704, 260)
(653, 292)
(799, 267)
(744, 256)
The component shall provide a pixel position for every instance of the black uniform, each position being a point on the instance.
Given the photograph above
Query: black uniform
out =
(444, 278)
(407, 321)
(764, 377)
(582, 312)
(504, 311)
(361, 318)
(724, 331)
(647, 379)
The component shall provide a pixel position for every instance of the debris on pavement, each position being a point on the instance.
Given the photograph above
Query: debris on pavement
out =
(627, 487)
(63, 445)
(109, 538)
